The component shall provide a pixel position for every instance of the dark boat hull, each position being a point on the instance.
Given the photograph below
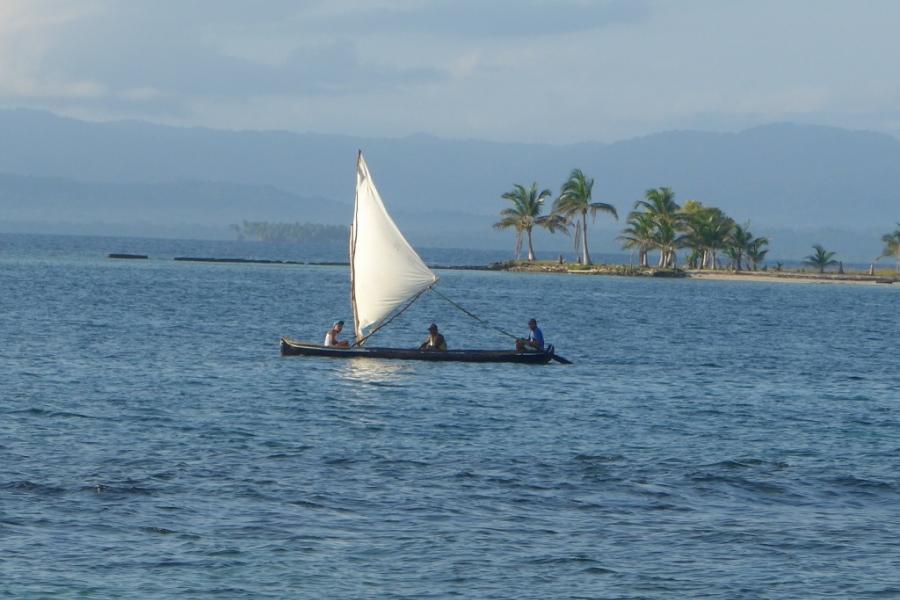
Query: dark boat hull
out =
(295, 348)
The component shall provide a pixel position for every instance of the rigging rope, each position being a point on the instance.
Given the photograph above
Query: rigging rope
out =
(362, 340)
(472, 315)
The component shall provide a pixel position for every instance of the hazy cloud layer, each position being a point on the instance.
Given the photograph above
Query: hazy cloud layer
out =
(524, 70)
(483, 19)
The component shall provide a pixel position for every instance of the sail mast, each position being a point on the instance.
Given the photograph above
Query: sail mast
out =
(353, 229)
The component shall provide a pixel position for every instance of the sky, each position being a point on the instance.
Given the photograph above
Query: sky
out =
(544, 71)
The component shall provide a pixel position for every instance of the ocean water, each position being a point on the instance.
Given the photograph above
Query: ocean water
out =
(712, 439)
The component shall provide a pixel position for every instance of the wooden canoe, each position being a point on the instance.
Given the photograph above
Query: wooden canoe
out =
(291, 347)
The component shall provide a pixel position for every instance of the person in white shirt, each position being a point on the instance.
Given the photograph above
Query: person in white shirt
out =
(331, 336)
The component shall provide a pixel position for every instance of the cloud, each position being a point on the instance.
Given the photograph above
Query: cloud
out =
(480, 19)
(525, 70)
(185, 68)
(144, 52)
(141, 57)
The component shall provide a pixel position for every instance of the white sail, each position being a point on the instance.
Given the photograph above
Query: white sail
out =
(385, 270)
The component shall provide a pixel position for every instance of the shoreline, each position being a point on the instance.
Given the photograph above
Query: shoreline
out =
(802, 278)
(700, 275)
(609, 270)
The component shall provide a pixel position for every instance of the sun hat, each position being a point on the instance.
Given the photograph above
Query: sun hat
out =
(432, 327)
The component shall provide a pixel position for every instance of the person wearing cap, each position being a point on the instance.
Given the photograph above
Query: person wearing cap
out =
(535, 340)
(435, 341)
(331, 336)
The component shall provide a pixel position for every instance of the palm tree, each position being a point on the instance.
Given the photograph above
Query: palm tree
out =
(738, 244)
(821, 259)
(757, 250)
(690, 217)
(721, 226)
(708, 229)
(524, 214)
(553, 223)
(667, 239)
(892, 245)
(639, 234)
(573, 205)
(660, 204)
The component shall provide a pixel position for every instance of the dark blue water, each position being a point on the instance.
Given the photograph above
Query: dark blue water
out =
(712, 439)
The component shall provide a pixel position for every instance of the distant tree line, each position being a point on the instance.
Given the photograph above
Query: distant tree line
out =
(315, 233)
(659, 223)
(656, 224)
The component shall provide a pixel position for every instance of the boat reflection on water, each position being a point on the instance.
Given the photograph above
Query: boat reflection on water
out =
(374, 371)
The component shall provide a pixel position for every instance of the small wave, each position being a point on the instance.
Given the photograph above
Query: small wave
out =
(117, 491)
(599, 571)
(31, 487)
(665, 507)
(732, 464)
(327, 504)
(764, 488)
(37, 412)
(54, 414)
(74, 415)
(285, 447)
(868, 485)
(564, 560)
(403, 462)
(307, 504)
(159, 530)
(599, 458)
(886, 592)
(342, 461)
(747, 463)
(227, 552)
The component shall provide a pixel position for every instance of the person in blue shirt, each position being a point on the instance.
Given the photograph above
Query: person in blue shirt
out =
(535, 340)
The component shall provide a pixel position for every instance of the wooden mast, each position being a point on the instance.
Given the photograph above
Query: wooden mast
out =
(356, 328)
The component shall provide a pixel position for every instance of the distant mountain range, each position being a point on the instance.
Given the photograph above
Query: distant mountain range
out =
(214, 205)
(798, 184)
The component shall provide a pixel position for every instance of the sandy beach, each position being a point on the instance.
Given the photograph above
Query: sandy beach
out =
(755, 276)
(803, 278)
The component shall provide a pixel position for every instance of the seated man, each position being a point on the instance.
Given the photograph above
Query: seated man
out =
(535, 340)
(331, 336)
(435, 341)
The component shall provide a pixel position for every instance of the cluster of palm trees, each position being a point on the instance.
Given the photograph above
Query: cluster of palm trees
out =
(570, 211)
(657, 223)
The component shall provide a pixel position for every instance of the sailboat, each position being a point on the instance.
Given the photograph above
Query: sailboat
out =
(386, 277)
